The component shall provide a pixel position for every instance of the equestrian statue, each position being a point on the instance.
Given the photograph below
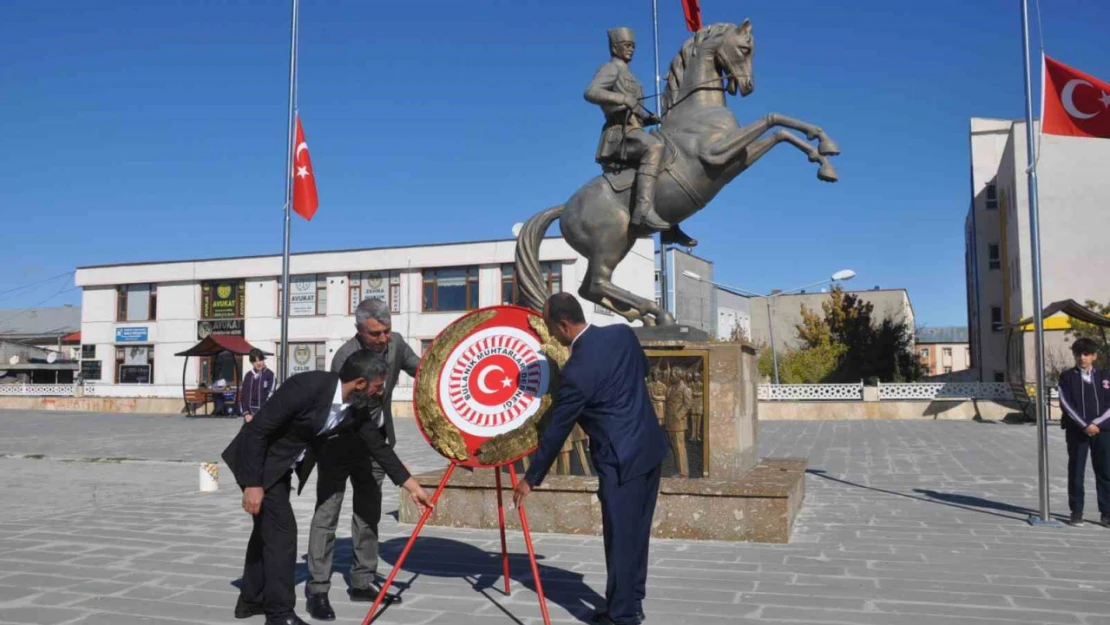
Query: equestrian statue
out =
(652, 181)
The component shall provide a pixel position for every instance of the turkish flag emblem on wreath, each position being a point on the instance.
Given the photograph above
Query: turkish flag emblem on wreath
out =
(484, 378)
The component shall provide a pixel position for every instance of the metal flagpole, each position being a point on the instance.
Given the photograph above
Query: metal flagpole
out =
(664, 299)
(284, 355)
(1044, 518)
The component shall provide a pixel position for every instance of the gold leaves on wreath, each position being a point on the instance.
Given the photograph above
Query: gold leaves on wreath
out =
(443, 435)
(504, 447)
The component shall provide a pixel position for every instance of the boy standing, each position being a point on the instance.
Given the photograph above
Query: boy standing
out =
(1085, 402)
(257, 386)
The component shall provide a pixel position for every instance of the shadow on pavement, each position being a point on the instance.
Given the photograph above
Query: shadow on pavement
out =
(953, 500)
(441, 557)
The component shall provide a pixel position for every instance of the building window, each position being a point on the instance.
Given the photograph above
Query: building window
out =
(948, 369)
(947, 352)
(303, 357)
(992, 197)
(994, 256)
(308, 295)
(425, 345)
(996, 319)
(925, 353)
(136, 302)
(134, 364)
(450, 289)
(999, 376)
(222, 299)
(384, 285)
(88, 351)
(552, 277)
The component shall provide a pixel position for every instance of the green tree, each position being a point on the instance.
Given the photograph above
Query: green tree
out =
(808, 365)
(846, 344)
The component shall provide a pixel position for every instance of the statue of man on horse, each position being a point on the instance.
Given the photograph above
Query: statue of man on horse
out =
(624, 141)
(698, 149)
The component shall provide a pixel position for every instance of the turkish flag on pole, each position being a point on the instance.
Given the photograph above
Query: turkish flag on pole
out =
(693, 15)
(1075, 104)
(305, 200)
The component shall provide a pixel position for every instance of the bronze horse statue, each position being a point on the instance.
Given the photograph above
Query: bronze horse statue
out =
(705, 149)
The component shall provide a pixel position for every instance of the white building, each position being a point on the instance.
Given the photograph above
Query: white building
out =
(1074, 192)
(136, 316)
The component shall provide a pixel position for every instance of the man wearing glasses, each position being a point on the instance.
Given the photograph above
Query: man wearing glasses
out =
(348, 457)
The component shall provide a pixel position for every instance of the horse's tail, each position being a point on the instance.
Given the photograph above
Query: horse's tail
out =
(529, 280)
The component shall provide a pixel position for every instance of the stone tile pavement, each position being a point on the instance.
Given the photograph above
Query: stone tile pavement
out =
(904, 523)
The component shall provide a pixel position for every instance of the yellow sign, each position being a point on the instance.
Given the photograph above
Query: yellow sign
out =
(1058, 321)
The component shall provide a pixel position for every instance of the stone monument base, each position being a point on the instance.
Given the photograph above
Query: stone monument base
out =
(760, 506)
(707, 405)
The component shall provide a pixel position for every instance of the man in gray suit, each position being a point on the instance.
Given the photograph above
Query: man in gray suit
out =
(348, 457)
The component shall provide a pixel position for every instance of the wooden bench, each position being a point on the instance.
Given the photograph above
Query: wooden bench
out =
(193, 397)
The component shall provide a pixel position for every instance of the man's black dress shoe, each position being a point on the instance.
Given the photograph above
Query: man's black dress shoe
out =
(370, 594)
(247, 610)
(288, 619)
(319, 607)
(602, 618)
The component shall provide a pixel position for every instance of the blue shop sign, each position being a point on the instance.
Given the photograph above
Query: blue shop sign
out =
(131, 335)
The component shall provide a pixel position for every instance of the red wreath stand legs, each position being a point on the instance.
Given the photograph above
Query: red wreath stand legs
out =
(504, 550)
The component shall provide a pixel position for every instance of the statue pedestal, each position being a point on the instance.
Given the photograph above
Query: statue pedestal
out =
(730, 493)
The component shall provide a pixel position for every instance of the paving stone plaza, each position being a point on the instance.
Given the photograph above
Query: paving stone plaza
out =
(903, 523)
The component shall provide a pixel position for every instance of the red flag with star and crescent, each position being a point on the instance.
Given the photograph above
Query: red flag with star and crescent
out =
(1075, 104)
(692, 9)
(305, 201)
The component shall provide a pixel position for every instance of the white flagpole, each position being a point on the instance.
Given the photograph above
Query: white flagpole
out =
(284, 347)
(664, 298)
(1044, 517)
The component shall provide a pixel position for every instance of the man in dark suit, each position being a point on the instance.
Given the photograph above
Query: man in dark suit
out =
(603, 389)
(286, 436)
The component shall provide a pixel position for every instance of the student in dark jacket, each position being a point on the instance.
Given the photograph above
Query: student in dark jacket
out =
(286, 436)
(1085, 402)
(257, 386)
(604, 390)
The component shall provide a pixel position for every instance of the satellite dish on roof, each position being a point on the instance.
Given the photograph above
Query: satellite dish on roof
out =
(516, 229)
(14, 360)
(51, 357)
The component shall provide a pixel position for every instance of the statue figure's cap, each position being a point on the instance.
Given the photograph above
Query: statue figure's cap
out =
(621, 34)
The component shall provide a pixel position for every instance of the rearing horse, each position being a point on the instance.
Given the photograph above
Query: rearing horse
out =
(705, 149)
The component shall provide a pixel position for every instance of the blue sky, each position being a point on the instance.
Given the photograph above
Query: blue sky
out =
(137, 130)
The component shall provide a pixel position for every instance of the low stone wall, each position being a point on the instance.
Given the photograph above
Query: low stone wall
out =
(144, 405)
(909, 409)
(768, 410)
(759, 507)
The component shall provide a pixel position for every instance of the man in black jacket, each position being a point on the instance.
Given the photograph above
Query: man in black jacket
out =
(286, 437)
(1085, 402)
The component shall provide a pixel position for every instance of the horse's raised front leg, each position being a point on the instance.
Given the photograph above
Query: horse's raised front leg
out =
(825, 146)
(728, 148)
(724, 150)
(758, 148)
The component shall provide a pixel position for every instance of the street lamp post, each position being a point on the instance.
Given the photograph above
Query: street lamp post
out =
(841, 276)
(771, 329)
